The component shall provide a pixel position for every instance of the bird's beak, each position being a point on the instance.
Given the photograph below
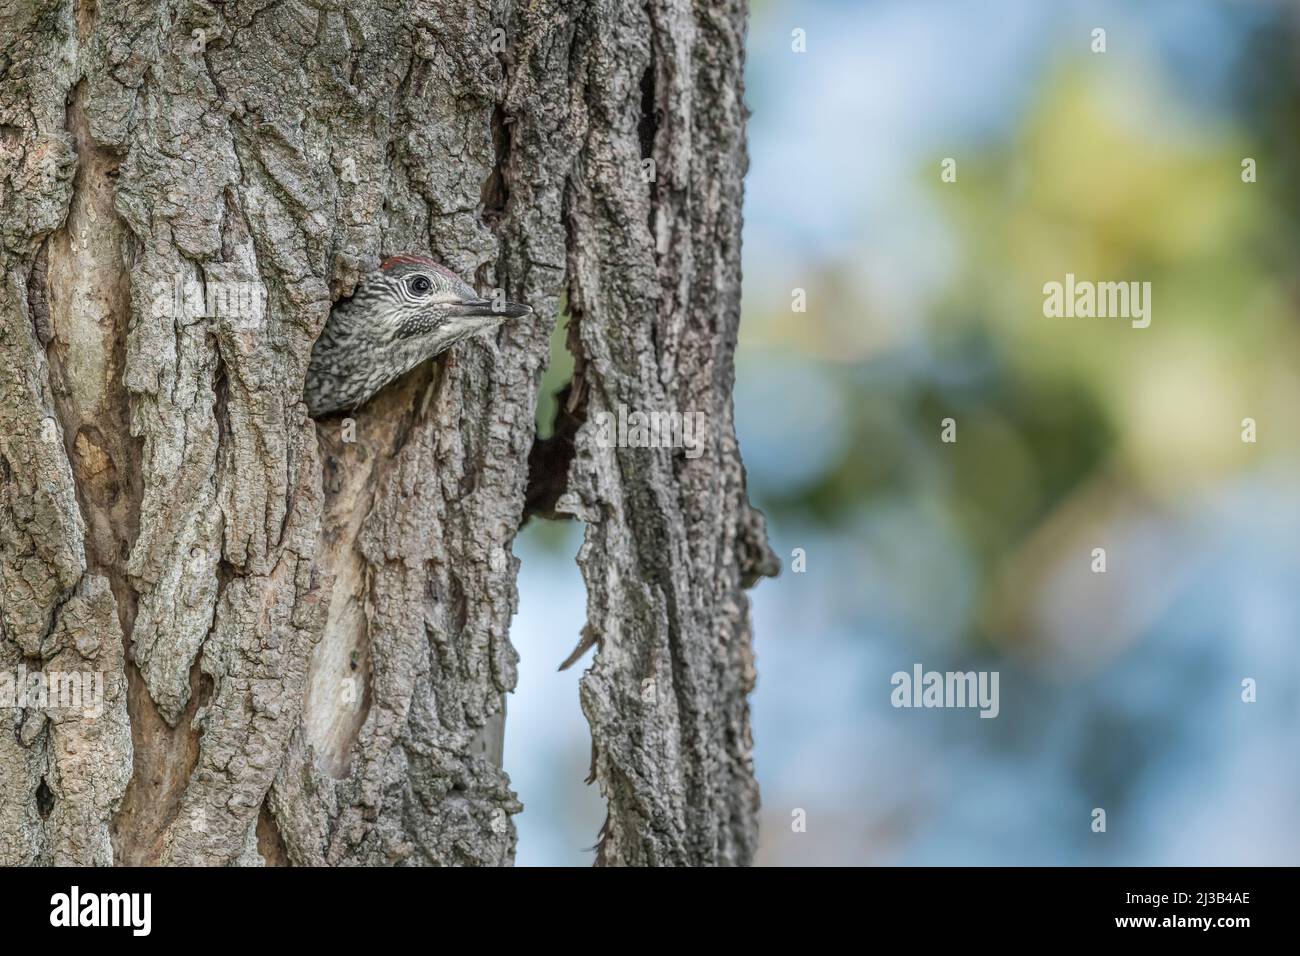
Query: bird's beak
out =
(487, 308)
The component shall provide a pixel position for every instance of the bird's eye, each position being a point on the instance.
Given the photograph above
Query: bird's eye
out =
(421, 285)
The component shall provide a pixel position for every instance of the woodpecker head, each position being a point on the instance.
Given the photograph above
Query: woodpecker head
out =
(411, 298)
(408, 310)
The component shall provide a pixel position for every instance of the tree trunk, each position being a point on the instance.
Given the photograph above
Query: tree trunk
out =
(303, 628)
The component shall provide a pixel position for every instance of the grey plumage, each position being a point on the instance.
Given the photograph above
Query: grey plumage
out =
(408, 310)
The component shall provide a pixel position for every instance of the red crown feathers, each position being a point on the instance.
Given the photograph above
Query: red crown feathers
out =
(413, 259)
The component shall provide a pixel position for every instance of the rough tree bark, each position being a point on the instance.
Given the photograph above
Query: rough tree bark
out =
(305, 638)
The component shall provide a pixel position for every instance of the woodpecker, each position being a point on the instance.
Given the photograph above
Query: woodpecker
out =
(408, 310)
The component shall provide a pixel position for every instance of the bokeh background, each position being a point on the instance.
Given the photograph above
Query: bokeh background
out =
(1119, 690)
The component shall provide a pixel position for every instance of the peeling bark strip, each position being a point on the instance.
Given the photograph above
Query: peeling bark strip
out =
(671, 541)
(304, 629)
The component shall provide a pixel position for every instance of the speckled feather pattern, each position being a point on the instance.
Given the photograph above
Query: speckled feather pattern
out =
(409, 310)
